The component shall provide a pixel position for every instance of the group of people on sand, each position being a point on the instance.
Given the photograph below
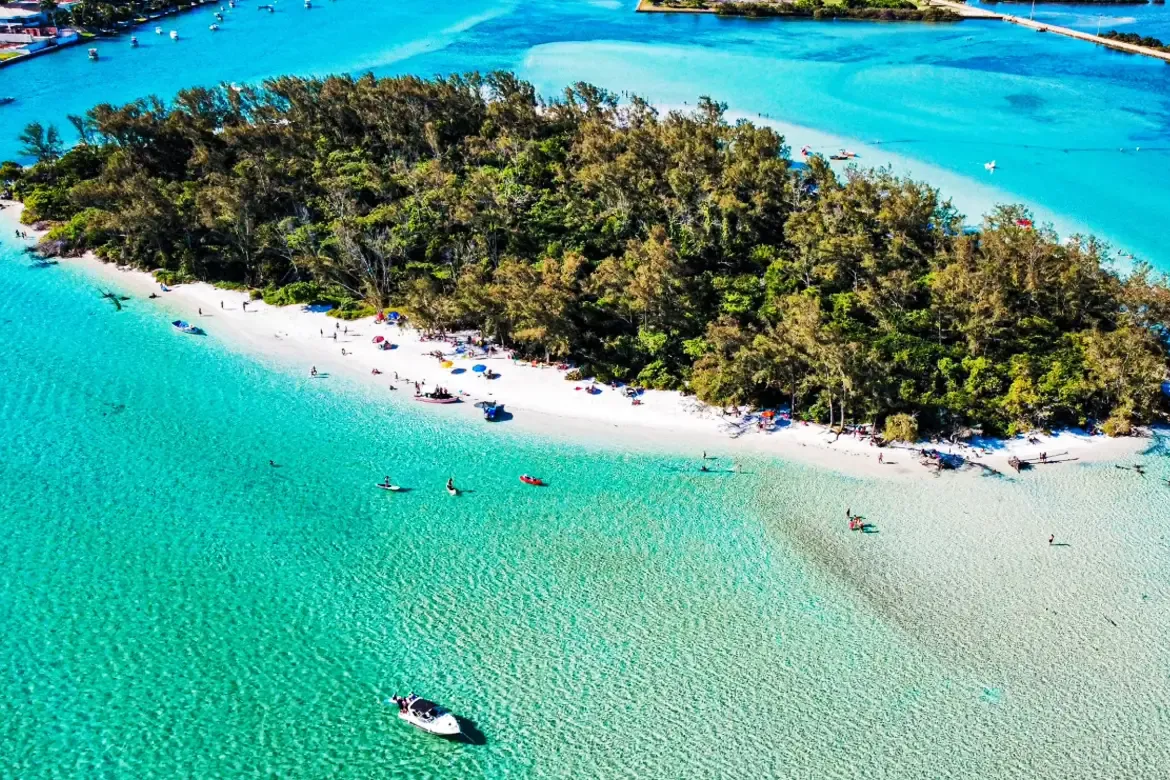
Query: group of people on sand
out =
(20, 234)
(856, 522)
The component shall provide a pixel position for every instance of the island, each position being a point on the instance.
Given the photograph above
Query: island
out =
(874, 10)
(673, 251)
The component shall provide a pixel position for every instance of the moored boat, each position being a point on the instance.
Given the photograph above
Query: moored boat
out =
(426, 715)
(438, 397)
(185, 327)
(528, 480)
(93, 54)
(174, 35)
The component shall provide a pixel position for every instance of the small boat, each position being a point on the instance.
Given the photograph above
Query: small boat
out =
(133, 42)
(218, 17)
(437, 398)
(158, 31)
(308, 3)
(426, 715)
(527, 480)
(6, 100)
(186, 327)
(990, 166)
(174, 35)
(213, 27)
(93, 54)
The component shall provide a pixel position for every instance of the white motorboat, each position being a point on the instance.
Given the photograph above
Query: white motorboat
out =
(174, 35)
(426, 715)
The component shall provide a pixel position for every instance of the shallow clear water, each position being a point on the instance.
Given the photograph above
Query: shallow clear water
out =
(174, 606)
(1062, 119)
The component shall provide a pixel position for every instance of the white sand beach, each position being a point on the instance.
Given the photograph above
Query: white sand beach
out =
(539, 396)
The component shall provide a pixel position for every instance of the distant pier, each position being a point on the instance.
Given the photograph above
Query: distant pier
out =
(982, 13)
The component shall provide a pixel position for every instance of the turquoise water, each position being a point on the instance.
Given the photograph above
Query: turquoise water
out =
(1063, 120)
(175, 607)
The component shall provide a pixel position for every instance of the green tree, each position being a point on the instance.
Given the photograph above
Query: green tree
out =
(41, 143)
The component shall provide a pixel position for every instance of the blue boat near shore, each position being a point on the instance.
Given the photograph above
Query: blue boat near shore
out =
(186, 327)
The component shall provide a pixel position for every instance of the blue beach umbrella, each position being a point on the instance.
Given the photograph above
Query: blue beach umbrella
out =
(479, 368)
(458, 370)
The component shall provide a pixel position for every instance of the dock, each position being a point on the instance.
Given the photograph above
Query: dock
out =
(982, 13)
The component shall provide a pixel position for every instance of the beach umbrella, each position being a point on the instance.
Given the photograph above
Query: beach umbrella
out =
(458, 370)
(446, 364)
(479, 368)
(393, 315)
(379, 339)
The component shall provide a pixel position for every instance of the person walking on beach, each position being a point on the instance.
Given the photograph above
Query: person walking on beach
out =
(200, 311)
(221, 305)
(880, 460)
(1051, 539)
(313, 371)
(245, 305)
(335, 335)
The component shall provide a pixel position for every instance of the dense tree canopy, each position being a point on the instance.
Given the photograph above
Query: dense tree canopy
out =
(675, 251)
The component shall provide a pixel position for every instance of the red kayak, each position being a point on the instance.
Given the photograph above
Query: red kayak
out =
(527, 480)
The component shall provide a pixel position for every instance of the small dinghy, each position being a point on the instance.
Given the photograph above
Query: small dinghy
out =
(439, 397)
(185, 327)
(426, 715)
(527, 480)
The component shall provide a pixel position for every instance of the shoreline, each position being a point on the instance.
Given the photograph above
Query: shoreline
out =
(118, 32)
(543, 402)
